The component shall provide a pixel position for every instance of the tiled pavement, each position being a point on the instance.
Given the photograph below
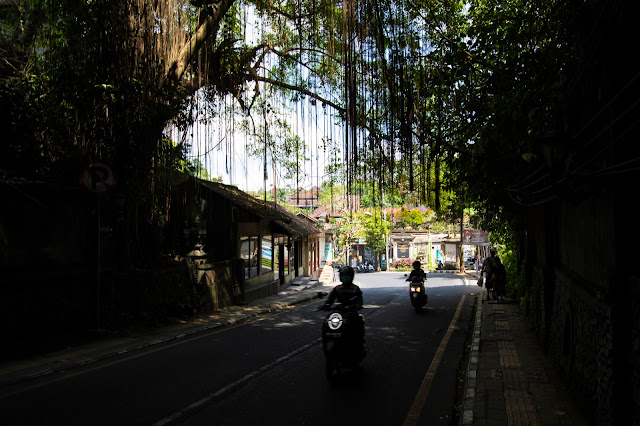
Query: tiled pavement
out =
(509, 379)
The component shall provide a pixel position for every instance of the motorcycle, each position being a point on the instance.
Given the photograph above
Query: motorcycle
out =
(365, 267)
(417, 293)
(342, 339)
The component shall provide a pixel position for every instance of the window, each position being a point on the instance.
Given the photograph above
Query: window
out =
(267, 254)
(285, 254)
(249, 253)
(280, 256)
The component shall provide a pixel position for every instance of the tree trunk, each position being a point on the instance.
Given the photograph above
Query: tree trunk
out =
(437, 184)
(208, 29)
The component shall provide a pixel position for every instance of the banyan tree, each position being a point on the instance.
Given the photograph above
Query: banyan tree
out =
(414, 87)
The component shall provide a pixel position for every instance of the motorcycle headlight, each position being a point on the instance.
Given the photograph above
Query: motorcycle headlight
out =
(415, 289)
(334, 321)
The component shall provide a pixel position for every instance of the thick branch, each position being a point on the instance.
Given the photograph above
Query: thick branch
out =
(208, 29)
(299, 89)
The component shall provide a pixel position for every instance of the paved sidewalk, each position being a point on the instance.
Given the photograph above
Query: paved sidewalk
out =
(509, 380)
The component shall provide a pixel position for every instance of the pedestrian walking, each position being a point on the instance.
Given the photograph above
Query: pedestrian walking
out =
(488, 267)
(498, 280)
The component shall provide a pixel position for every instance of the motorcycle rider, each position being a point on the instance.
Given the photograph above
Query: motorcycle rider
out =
(417, 274)
(349, 295)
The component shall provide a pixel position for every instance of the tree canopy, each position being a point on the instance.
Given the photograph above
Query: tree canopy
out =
(438, 99)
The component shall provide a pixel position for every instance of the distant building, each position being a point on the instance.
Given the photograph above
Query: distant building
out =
(304, 199)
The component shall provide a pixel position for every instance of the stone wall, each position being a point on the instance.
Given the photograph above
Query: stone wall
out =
(633, 354)
(571, 302)
(50, 306)
(217, 277)
(581, 343)
(151, 296)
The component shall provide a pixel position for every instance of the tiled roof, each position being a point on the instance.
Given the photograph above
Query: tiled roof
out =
(322, 210)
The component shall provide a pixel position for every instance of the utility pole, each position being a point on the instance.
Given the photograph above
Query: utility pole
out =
(275, 201)
(461, 258)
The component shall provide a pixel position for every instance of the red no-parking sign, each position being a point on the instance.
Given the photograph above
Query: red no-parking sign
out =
(98, 176)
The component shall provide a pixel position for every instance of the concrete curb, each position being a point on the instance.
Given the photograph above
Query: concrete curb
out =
(472, 368)
(455, 271)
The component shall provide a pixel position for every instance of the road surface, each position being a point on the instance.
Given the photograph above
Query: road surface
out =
(269, 371)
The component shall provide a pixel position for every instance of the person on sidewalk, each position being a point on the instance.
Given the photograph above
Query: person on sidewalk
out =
(498, 280)
(488, 267)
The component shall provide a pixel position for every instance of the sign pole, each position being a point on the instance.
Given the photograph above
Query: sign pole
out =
(98, 177)
(99, 253)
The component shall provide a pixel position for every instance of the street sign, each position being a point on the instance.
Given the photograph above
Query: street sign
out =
(475, 237)
(98, 176)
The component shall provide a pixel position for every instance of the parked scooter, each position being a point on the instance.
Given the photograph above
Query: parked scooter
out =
(342, 339)
(365, 267)
(417, 293)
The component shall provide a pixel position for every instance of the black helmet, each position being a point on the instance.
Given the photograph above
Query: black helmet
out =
(346, 274)
(417, 264)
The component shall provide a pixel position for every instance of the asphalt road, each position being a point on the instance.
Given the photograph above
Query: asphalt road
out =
(270, 371)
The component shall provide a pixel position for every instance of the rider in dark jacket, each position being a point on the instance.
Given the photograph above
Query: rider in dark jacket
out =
(417, 273)
(346, 293)
(350, 295)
